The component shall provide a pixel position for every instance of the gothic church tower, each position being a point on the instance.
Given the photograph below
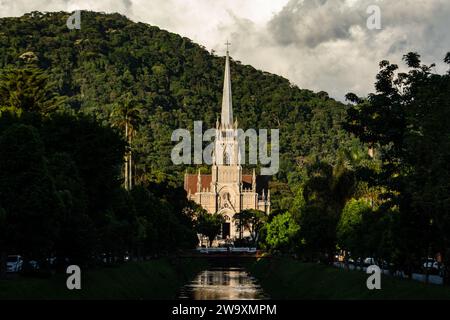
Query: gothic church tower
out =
(227, 190)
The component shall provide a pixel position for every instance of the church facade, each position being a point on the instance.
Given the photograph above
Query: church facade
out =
(227, 190)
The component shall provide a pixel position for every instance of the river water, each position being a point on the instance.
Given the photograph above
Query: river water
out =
(223, 283)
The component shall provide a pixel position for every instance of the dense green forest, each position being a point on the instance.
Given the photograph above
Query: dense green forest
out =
(111, 62)
(365, 179)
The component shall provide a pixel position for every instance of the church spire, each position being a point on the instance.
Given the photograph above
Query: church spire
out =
(227, 105)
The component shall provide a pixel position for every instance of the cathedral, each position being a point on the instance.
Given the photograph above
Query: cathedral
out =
(227, 190)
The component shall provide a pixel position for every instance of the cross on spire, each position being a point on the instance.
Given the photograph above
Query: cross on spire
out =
(227, 44)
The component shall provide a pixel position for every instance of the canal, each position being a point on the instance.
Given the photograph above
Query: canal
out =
(222, 282)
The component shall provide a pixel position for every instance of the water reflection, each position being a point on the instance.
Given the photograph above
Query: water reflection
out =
(223, 284)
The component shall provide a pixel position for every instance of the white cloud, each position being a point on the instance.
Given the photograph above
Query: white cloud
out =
(317, 44)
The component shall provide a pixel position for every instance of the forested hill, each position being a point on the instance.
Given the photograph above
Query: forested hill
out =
(112, 60)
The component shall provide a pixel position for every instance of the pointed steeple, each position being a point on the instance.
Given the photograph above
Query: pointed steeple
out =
(227, 105)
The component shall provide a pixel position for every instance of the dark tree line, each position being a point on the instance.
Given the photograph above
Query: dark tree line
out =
(390, 202)
(61, 184)
(407, 122)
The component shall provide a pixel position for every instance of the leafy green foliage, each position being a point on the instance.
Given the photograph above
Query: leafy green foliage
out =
(350, 229)
(282, 232)
(28, 89)
(406, 121)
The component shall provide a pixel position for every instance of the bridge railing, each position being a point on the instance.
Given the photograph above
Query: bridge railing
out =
(223, 250)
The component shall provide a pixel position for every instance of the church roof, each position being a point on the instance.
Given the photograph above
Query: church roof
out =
(190, 182)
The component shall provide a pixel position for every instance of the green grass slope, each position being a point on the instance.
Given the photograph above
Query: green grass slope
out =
(156, 279)
(284, 278)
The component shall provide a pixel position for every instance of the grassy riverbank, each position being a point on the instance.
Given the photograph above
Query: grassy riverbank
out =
(155, 279)
(285, 278)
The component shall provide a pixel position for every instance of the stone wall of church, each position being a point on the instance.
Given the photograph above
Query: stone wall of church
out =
(207, 200)
(228, 174)
(263, 206)
(249, 200)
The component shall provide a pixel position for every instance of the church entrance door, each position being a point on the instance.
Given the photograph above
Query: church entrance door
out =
(225, 230)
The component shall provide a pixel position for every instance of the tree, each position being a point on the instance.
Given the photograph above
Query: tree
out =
(406, 119)
(76, 239)
(251, 220)
(28, 89)
(350, 229)
(209, 225)
(282, 232)
(147, 233)
(325, 193)
(27, 195)
(127, 115)
(97, 152)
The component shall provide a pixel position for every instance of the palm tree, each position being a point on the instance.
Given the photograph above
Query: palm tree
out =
(127, 115)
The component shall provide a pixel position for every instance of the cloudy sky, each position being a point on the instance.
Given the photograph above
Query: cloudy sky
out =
(317, 44)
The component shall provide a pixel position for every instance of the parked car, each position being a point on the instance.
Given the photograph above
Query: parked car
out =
(432, 265)
(369, 262)
(14, 263)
